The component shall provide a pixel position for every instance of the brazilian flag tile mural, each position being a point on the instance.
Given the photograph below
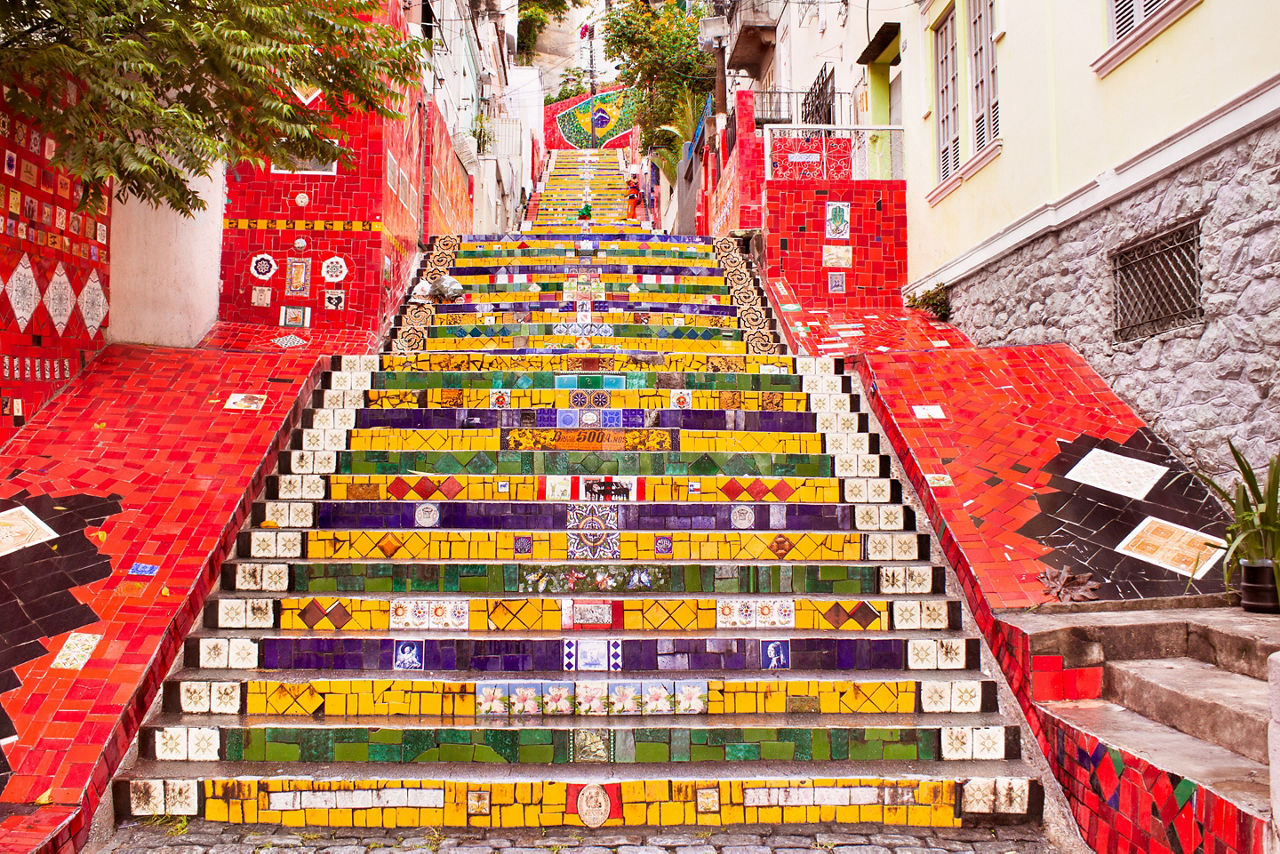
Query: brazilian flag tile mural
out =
(612, 114)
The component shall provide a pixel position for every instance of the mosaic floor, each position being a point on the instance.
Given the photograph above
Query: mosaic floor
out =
(592, 516)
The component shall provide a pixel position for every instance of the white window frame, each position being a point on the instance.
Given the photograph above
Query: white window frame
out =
(946, 95)
(330, 169)
(982, 73)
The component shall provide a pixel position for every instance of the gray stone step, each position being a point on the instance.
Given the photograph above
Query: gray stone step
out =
(1236, 778)
(1197, 698)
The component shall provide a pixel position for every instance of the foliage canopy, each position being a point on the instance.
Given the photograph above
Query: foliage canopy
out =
(533, 18)
(145, 93)
(658, 52)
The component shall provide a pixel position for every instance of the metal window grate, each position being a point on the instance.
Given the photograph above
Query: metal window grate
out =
(1157, 283)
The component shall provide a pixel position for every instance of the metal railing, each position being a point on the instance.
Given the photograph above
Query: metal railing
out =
(833, 153)
(778, 106)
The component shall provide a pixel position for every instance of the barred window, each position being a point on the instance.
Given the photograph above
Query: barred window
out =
(948, 96)
(1157, 281)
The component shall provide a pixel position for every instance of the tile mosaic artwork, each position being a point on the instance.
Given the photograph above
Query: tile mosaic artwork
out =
(590, 515)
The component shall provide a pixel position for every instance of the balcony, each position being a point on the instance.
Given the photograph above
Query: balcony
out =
(752, 27)
(778, 107)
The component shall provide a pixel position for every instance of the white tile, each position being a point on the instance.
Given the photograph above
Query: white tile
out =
(275, 577)
(934, 614)
(300, 462)
(879, 490)
(831, 796)
(300, 514)
(213, 652)
(855, 490)
(288, 544)
(146, 797)
(988, 742)
(231, 613)
(1012, 795)
(906, 614)
(171, 744)
(319, 800)
(248, 576)
(313, 487)
(979, 795)
(289, 486)
(426, 797)
(180, 797)
(922, 654)
(242, 653)
(951, 654)
(391, 797)
(935, 697)
(202, 744)
(905, 547)
(262, 544)
(194, 697)
(1126, 476)
(966, 696)
(259, 613)
(957, 742)
(277, 512)
(918, 579)
(224, 698)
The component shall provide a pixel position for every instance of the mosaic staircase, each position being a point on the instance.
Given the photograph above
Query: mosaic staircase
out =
(592, 526)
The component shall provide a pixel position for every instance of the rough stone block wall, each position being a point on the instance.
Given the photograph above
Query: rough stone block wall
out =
(1198, 386)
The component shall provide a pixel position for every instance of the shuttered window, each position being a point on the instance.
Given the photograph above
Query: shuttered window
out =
(948, 100)
(1126, 15)
(986, 108)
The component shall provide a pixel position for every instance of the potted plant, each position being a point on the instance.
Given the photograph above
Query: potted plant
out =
(1253, 536)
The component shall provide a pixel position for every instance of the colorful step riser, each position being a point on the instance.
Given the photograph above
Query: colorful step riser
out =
(620, 745)
(248, 576)
(675, 364)
(361, 656)
(389, 803)
(191, 693)
(630, 615)
(551, 516)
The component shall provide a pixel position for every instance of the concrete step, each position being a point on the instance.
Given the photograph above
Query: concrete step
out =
(1231, 776)
(1197, 698)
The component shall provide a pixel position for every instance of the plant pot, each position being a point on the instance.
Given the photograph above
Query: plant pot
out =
(1258, 587)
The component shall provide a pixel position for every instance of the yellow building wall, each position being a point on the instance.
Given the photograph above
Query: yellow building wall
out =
(1062, 124)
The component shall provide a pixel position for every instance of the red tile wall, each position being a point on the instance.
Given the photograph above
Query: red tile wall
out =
(45, 238)
(447, 202)
(366, 215)
(733, 196)
(794, 224)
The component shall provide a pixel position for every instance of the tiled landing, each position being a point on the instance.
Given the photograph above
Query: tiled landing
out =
(120, 500)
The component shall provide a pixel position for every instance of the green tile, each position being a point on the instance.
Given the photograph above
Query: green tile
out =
(652, 752)
(741, 752)
(702, 753)
(277, 752)
(347, 752)
(536, 754)
(780, 750)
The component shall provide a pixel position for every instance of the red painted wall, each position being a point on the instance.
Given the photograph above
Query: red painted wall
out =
(359, 229)
(798, 250)
(54, 269)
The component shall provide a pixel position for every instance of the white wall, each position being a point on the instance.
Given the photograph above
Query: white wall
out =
(165, 270)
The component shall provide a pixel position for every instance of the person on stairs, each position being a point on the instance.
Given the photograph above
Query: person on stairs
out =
(584, 212)
(633, 196)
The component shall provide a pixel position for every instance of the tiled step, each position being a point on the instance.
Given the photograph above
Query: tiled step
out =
(1195, 697)
(717, 653)
(547, 515)
(193, 693)
(612, 739)
(631, 614)
(883, 793)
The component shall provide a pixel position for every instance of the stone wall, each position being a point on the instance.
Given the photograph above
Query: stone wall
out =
(1198, 386)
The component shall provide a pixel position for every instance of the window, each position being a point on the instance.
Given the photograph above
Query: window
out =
(1126, 15)
(986, 109)
(1157, 281)
(308, 167)
(948, 103)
